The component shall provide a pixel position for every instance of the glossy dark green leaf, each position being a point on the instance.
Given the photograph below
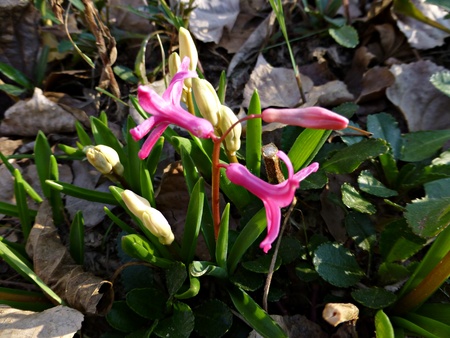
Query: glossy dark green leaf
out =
(254, 314)
(212, 319)
(369, 184)
(384, 126)
(200, 268)
(421, 145)
(438, 189)
(150, 303)
(179, 325)
(398, 242)
(306, 272)
(122, 318)
(374, 298)
(16, 75)
(247, 280)
(290, 249)
(353, 200)
(261, 264)
(361, 229)
(337, 265)
(392, 273)
(175, 277)
(427, 217)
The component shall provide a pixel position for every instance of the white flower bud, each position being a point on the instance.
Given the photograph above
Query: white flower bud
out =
(105, 159)
(152, 218)
(208, 102)
(174, 64)
(187, 48)
(226, 119)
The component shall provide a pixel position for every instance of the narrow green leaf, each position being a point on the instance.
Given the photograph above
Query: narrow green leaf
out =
(146, 185)
(154, 158)
(16, 75)
(222, 239)
(346, 36)
(383, 326)
(133, 165)
(126, 74)
(337, 265)
(76, 238)
(86, 194)
(21, 202)
(125, 227)
(201, 268)
(431, 325)
(42, 153)
(254, 314)
(137, 106)
(246, 238)
(139, 64)
(83, 136)
(436, 311)
(104, 135)
(254, 136)
(221, 91)
(194, 289)
(12, 90)
(137, 246)
(306, 146)
(412, 327)
(14, 261)
(190, 171)
(55, 198)
(193, 222)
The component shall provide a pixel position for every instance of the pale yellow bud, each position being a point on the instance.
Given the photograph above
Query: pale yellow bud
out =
(187, 48)
(208, 102)
(174, 64)
(226, 119)
(152, 218)
(105, 159)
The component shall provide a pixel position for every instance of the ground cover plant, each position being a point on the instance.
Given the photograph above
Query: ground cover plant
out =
(283, 172)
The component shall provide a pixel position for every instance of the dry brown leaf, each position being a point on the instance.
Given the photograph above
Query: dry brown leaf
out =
(419, 34)
(209, 18)
(374, 84)
(54, 265)
(59, 321)
(19, 36)
(277, 87)
(8, 146)
(85, 176)
(424, 107)
(124, 19)
(26, 118)
(7, 184)
(330, 94)
(297, 326)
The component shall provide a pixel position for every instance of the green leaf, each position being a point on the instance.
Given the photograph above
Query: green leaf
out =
(306, 272)
(17, 264)
(193, 222)
(134, 168)
(337, 265)
(175, 277)
(12, 90)
(124, 226)
(222, 239)
(290, 249)
(212, 319)
(201, 268)
(254, 314)
(397, 242)
(122, 318)
(261, 264)
(412, 327)
(353, 200)
(441, 3)
(384, 126)
(391, 273)
(150, 303)
(76, 242)
(16, 75)
(192, 291)
(104, 135)
(306, 146)
(247, 280)
(137, 246)
(246, 238)
(26, 221)
(441, 81)
(346, 36)
(431, 325)
(221, 91)
(361, 229)
(55, 198)
(427, 217)
(139, 64)
(348, 159)
(42, 153)
(383, 326)
(437, 189)
(374, 298)
(437, 311)
(253, 136)
(420, 145)
(86, 194)
(179, 325)
(126, 74)
(369, 184)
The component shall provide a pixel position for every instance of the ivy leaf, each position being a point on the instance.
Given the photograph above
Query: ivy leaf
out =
(337, 265)
(346, 36)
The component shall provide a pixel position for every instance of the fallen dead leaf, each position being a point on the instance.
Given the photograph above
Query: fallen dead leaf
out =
(330, 94)
(8, 146)
(122, 18)
(59, 321)
(210, 17)
(423, 106)
(374, 84)
(27, 117)
(277, 87)
(54, 265)
(419, 34)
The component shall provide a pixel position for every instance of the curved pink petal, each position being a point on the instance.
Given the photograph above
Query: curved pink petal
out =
(273, 216)
(305, 172)
(174, 91)
(150, 101)
(143, 129)
(151, 140)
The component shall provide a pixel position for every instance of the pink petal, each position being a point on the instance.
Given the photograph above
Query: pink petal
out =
(151, 140)
(150, 101)
(273, 215)
(143, 129)
(305, 172)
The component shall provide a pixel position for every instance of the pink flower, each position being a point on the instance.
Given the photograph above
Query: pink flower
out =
(166, 110)
(274, 196)
(309, 117)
